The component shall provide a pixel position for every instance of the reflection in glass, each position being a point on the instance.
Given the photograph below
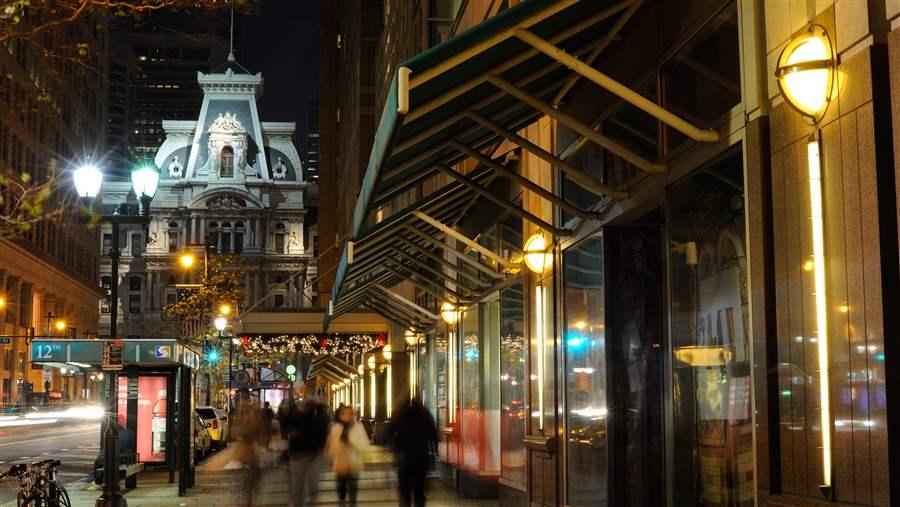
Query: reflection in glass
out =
(585, 373)
(713, 437)
(512, 384)
(470, 387)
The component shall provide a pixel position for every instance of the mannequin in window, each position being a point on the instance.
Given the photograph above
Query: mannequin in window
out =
(226, 163)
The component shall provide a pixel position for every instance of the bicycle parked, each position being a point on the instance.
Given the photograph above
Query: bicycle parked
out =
(38, 484)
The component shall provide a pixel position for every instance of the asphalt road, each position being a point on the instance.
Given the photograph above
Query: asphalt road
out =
(76, 444)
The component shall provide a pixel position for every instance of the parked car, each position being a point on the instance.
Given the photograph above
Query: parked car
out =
(215, 422)
(202, 440)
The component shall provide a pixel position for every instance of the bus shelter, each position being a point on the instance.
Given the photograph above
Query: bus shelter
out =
(155, 392)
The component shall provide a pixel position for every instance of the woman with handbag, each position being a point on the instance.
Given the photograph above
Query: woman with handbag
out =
(347, 440)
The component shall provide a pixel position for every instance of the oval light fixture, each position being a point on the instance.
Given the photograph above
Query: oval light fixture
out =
(449, 313)
(537, 253)
(386, 352)
(805, 72)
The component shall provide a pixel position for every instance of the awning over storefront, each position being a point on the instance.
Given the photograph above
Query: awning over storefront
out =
(462, 100)
(331, 369)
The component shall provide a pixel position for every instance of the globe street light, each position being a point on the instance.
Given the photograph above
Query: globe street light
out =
(88, 179)
(145, 180)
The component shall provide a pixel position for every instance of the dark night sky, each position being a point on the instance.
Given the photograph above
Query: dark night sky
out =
(283, 44)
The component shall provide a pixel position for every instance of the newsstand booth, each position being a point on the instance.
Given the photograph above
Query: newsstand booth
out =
(157, 376)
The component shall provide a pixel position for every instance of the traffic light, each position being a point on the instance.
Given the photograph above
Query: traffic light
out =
(212, 356)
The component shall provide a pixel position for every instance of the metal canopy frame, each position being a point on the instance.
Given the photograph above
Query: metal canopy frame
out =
(462, 100)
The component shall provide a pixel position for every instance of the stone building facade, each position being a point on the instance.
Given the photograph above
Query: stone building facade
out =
(230, 184)
(51, 110)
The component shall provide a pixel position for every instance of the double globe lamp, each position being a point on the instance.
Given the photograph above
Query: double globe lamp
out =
(144, 180)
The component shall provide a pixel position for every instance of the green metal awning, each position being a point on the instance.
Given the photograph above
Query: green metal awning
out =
(332, 369)
(460, 100)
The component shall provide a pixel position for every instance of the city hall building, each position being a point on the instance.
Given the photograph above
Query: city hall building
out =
(637, 253)
(230, 184)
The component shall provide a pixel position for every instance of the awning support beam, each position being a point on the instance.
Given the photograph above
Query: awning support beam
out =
(577, 175)
(578, 126)
(422, 282)
(449, 231)
(599, 48)
(488, 43)
(446, 248)
(407, 302)
(617, 88)
(437, 272)
(511, 207)
(525, 182)
(424, 251)
(386, 302)
(439, 101)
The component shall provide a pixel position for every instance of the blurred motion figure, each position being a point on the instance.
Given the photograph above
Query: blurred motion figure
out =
(414, 438)
(347, 440)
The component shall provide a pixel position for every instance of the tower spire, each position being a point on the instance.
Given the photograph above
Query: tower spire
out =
(231, 35)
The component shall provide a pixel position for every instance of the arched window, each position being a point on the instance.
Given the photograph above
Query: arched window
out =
(226, 163)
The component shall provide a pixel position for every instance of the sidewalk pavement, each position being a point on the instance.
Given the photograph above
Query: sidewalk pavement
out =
(220, 484)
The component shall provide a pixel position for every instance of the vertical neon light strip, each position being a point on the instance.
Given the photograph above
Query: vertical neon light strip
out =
(539, 327)
(372, 394)
(361, 395)
(413, 358)
(452, 380)
(389, 409)
(818, 236)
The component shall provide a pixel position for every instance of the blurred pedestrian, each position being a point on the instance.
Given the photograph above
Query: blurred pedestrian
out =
(248, 425)
(414, 437)
(347, 440)
(266, 418)
(307, 432)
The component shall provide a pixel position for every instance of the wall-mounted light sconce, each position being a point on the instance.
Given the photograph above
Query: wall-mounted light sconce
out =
(805, 72)
(449, 313)
(538, 253)
(805, 76)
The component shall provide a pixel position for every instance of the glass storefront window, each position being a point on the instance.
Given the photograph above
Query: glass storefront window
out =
(713, 432)
(512, 385)
(470, 388)
(585, 374)
(441, 386)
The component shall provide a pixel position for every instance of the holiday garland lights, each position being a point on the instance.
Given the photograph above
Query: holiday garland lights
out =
(316, 345)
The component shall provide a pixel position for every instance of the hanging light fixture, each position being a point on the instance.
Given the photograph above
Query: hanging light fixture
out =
(538, 256)
(805, 72)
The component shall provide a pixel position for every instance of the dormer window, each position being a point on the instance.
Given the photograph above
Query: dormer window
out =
(226, 163)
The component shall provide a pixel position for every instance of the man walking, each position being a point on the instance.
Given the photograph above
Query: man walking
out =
(415, 442)
(307, 431)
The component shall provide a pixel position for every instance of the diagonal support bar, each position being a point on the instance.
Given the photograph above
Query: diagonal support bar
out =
(458, 255)
(599, 48)
(576, 125)
(525, 182)
(617, 88)
(488, 43)
(511, 207)
(407, 302)
(449, 231)
(577, 175)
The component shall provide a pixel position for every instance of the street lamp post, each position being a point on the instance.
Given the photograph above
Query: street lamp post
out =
(88, 180)
(221, 323)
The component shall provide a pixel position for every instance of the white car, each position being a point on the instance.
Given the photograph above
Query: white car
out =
(202, 440)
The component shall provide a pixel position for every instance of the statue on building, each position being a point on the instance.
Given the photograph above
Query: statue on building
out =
(175, 168)
(293, 242)
(279, 170)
